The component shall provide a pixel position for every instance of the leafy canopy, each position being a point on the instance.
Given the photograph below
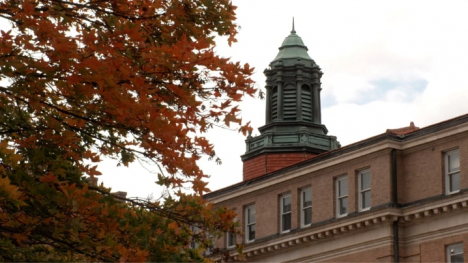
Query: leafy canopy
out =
(129, 79)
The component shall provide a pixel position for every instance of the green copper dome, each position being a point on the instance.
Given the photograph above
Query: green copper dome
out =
(293, 115)
(292, 48)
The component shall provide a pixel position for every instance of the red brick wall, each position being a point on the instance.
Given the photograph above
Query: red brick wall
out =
(269, 162)
(322, 183)
(433, 250)
(424, 167)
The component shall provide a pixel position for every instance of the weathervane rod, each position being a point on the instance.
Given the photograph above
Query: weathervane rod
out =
(293, 31)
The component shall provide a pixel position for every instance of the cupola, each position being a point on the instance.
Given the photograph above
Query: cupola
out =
(293, 131)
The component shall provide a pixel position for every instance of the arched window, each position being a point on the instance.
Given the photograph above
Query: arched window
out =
(274, 103)
(306, 101)
(289, 102)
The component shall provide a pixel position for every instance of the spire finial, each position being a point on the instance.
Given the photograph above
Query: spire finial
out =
(293, 31)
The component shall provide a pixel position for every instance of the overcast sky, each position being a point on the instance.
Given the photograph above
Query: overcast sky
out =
(385, 64)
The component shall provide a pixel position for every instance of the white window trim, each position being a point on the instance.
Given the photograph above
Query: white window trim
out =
(338, 197)
(308, 189)
(446, 171)
(247, 224)
(284, 213)
(361, 191)
(453, 246)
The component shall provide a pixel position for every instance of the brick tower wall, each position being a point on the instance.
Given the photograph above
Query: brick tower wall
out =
(269, 162)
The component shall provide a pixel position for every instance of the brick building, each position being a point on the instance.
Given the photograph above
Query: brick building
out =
(400, 196)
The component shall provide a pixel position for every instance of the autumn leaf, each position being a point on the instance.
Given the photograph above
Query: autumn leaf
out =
(9, 192)
(81, 81)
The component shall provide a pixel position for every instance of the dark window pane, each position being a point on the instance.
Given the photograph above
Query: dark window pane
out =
(343, 205)
(231, 239)
(251, 233)
(307, 216)
(286, 222)
(365, 199)
(457, 258)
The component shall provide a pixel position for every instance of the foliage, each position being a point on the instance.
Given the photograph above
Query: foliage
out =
(130, 79)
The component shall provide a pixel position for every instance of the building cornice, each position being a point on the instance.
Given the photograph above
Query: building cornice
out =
(349, 225)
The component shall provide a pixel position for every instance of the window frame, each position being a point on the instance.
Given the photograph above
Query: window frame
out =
(454, 246)
(447, 172)
(361, 191)
(303, 209)
(247, 210)
(194, 244)
(231, 236)
(338, 197)
(282, 212)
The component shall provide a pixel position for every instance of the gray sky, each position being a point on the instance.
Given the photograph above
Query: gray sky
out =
(385, 64)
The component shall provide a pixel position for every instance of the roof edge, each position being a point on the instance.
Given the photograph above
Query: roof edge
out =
(347, 149)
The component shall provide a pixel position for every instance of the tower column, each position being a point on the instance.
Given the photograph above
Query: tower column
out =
(280, 99)
(319, 106)
(268, 105)
(316, 103)
(299, 100)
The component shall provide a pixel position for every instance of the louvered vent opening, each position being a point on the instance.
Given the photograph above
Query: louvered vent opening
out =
(289, 103)
(306, 101)
(274, 104)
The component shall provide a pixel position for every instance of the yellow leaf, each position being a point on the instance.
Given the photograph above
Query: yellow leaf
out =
(10, 192)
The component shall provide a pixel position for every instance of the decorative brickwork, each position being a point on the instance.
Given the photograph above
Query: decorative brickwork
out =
(270, 162)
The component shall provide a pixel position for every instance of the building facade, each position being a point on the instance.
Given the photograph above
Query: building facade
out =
(400, 196)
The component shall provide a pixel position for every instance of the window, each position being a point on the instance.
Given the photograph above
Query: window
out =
(342, 196)
(452, 172)
(285, 205)
(455, 253)
(306, 207)
(250, 223)
(209, 246)
(231, 238)
(364, 178)
(193, 243)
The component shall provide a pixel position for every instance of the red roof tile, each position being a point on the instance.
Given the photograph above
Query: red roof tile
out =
(404, 130)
